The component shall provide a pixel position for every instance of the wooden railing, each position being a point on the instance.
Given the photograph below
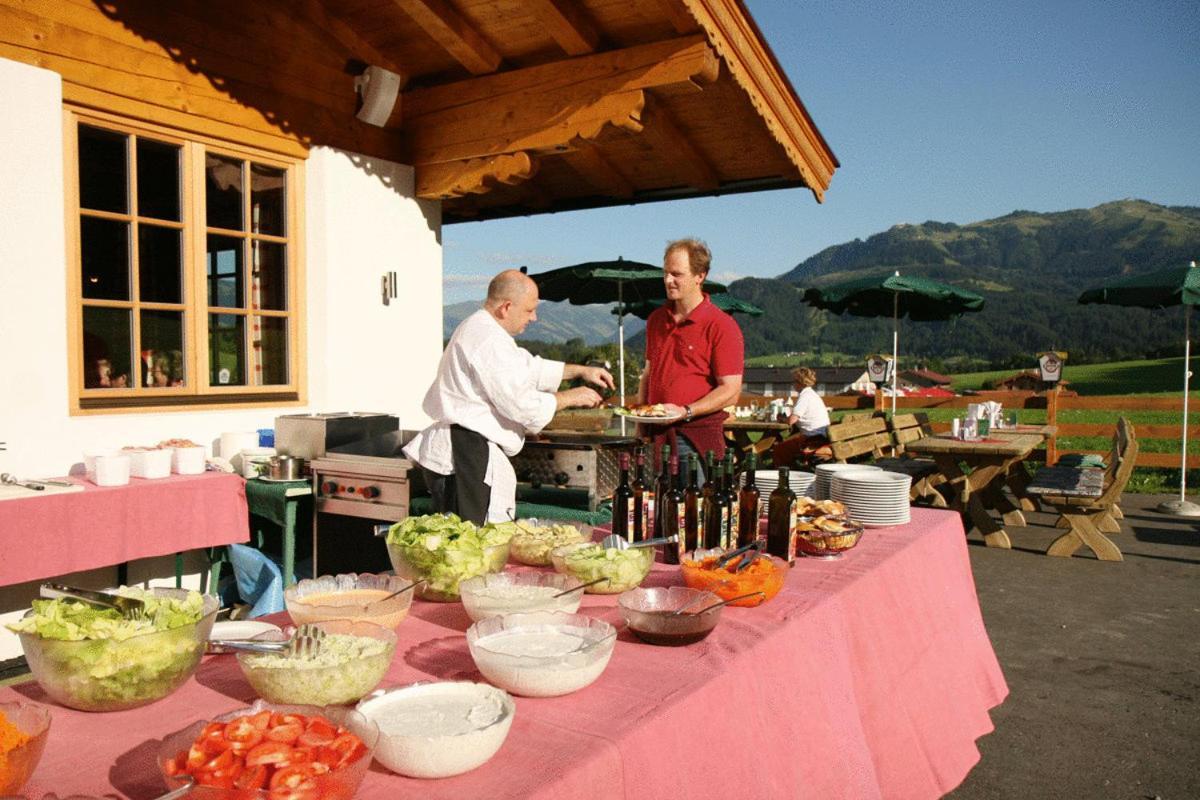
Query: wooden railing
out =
(1052, 403)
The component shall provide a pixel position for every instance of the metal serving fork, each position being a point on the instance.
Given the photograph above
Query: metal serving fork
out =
(305, 642)
(130, 607)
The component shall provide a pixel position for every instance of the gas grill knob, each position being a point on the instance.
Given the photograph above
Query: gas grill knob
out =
(561, 478)
(369, 492)
(328, 487)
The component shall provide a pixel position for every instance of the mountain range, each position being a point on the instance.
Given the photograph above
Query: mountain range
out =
(1029, 266)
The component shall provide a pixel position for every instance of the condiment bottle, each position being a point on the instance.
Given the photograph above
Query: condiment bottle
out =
(781, 519)
(693, 505)
(673, 515)
(661, 485)
(748, 506)
(643, 501)
(623, 519)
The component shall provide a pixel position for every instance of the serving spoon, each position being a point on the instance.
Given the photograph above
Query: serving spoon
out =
(727, 602)
(396, 593)
(580, 586)
(618, 543)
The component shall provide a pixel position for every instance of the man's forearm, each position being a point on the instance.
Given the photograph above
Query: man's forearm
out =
(725, 394)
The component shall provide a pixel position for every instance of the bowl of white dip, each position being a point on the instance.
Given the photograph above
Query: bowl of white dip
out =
(542, 654)
(518, 593)
(435, 730)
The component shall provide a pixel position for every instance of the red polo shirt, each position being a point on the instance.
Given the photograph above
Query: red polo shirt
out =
(685, 360)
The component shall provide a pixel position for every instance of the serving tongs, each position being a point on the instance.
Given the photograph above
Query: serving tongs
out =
(304, 643)
(756, 545)
(130, 607)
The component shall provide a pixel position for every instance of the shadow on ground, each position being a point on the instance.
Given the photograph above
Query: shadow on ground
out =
(1101, 660)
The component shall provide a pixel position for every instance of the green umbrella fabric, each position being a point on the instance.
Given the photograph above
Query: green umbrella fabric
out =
(1162, 288)
(606, 282)
(918, 298)
(723, 300)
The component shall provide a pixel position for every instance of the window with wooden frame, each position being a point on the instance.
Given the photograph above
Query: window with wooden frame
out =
(185, 271)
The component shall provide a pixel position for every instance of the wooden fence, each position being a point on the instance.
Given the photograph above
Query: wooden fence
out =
(1053, 402)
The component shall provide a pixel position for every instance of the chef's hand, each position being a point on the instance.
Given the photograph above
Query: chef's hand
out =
(597, 376)
(579, 397)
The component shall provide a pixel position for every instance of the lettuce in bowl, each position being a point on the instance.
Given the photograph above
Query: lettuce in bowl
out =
(443, 550)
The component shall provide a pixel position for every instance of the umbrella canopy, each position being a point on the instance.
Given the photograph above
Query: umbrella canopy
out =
(895, 296)
(723, 300)
(1172, 286)
(620, 281)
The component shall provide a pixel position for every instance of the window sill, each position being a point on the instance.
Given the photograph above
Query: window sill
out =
(191, 402)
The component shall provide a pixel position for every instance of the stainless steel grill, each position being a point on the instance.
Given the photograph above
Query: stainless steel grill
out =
(571, 461)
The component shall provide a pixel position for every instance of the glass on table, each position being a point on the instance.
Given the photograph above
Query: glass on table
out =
(1010, 419)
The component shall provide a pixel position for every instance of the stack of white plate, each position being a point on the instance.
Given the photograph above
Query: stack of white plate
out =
(825, 473)
(801, 483)
(874, 498)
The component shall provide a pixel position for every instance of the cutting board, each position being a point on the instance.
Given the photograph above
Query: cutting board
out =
(21, 493)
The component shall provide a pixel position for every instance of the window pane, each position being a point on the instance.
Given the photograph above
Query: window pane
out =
(104, 258)
(160, 267)
(226, 350)
(103, 170)
(106, 348)
(158, 179)
(225, 271)
(270, 276)
(162, 348)
(270, 351)
(267, 199)
(223, 192)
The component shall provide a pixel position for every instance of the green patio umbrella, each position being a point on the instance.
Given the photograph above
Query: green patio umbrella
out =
(602, 282)
(722, 300)
(1173, 286)
(895, 296)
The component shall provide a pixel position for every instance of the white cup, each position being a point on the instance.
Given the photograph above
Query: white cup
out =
(188, 460)
(955, 427)
(112, 470)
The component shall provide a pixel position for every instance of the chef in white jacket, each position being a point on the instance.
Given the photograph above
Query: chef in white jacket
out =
(488, 394)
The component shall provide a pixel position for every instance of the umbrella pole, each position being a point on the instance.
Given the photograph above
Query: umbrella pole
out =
(621, 344)
(1183, 507)
(895, 348)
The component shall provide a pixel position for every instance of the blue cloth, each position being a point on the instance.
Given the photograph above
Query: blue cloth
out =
(259, 580)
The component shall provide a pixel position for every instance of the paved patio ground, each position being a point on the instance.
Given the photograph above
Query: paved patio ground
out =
(1102, 662)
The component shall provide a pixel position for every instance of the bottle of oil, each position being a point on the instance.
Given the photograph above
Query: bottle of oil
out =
(781, 519)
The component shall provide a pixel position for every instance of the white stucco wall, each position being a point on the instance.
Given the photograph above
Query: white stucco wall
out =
(361, 220)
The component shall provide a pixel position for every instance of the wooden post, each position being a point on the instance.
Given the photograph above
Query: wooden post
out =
(879, 398)
(1052, 419)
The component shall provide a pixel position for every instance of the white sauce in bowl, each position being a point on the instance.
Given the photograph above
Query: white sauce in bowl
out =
(541, 661)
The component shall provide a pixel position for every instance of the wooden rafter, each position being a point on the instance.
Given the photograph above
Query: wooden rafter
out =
(458, 179)
(326, 23)
(673, 146)
(544, 108)
(565, 21)
(673, 11)
(456, 35)
(587, 160)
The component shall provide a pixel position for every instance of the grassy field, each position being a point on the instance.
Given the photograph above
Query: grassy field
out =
(1162, 376)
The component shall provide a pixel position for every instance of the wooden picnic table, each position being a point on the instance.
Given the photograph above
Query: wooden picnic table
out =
(738, 431)
(991, 463)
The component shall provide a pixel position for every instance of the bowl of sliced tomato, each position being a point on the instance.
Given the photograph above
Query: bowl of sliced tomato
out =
(273, 752)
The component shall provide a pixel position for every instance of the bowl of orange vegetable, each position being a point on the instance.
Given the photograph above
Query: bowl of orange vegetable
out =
(764, 574)
(24, 728)
(271, 751)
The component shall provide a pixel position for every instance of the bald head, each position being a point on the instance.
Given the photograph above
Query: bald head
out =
(512, 299)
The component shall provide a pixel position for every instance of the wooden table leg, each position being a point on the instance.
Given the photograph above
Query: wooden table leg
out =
(979, 482)
(1084, 531)
(1012, 515)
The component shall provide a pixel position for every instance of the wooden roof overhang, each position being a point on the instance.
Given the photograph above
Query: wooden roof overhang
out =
(509, 106)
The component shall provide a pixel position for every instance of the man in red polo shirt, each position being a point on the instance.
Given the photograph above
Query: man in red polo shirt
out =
(694, 353)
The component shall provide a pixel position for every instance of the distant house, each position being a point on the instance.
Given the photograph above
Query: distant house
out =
(923, 378)
(777, 381)
(1029, 380)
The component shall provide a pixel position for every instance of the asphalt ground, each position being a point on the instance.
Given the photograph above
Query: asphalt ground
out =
(1102, 661)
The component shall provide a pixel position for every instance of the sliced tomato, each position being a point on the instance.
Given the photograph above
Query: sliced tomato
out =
(297, 777)
(318, 734)
(300, 755)
(172, 767)
(348, 747)
(261, 720)
(284, 732)
(278, 718)
(269, 753)
(219, 780)
(196, 756)
(252, 778)
(241, 734)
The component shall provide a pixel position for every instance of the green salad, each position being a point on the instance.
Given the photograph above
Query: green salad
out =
(94, 659)
(344, 669)
(624, 569)
(443, 550)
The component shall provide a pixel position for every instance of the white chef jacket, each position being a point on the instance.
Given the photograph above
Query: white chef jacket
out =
(487, 384)
(813, 416)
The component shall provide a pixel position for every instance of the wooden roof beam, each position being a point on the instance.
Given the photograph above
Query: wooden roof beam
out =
(458, 37)
(567, 24)
(674, 12)
(587, 160)
(318, 16)
(476, 176)
(669, 141)
(545, 108)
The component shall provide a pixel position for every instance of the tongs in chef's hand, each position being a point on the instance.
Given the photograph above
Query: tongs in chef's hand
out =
(305, 642)
(130, 607)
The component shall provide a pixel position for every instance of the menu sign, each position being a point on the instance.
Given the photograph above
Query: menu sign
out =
(879, 369)
(1051, 364)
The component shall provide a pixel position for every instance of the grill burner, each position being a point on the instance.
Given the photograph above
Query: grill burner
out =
(571, 460)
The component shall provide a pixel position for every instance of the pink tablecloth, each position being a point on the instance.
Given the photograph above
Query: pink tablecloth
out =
(71, 531)
(867, 677)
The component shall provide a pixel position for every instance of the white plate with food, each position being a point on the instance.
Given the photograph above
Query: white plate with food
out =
(652, 414)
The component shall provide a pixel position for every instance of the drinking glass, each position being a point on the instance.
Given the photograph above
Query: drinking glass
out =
(1010, 419)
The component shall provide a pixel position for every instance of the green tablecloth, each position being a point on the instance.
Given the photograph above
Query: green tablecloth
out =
(537, 503)
(269, 499)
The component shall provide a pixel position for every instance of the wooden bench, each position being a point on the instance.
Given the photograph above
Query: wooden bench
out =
(905, 429)
(1087, 498)
(855, 439)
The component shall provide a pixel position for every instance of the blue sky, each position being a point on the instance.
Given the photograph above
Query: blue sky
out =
(951, 111)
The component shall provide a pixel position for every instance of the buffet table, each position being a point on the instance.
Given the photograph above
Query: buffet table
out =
(63, 532)
(867, 677)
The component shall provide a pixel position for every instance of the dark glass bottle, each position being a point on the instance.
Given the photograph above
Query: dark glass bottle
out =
(781, 519)
(748, 506)
(642, 500)
(623, 502)
(706, 502)
(661, 485)
(729, 533)
(674, 514)
(693, 518)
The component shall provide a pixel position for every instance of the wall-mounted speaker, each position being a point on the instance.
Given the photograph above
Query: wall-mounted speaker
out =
(378, 89)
